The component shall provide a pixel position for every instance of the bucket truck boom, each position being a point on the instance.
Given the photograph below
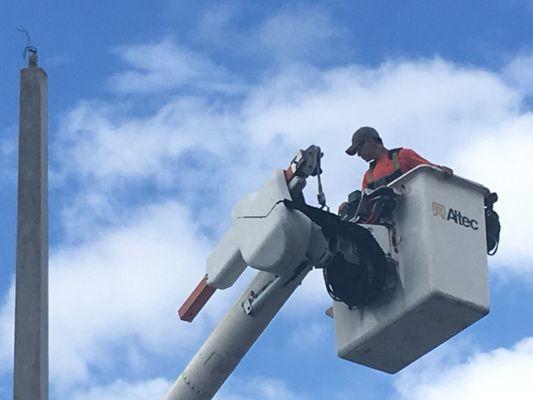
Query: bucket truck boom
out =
(281, 243)
(271, 231)
(420, 261)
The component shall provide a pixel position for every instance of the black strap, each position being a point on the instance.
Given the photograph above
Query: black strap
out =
(385, 180)
(353, 284)
(393, 155)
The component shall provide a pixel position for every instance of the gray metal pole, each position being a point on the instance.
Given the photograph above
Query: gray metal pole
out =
(233, 337)
(31, 300)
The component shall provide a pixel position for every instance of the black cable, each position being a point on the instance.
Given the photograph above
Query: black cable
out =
(355, 284)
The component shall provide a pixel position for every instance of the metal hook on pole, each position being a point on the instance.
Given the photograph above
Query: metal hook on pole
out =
(29, 48)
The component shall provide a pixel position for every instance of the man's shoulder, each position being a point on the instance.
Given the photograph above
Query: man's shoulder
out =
(412, 158)
(406, 152)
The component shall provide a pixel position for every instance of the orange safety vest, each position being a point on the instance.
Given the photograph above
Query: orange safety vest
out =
(386, 169)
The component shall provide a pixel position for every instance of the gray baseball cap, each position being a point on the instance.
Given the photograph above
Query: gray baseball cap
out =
(359, 137)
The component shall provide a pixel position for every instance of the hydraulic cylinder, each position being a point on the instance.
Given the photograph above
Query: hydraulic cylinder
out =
(234, 336)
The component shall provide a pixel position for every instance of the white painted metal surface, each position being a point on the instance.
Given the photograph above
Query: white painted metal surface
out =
(264, 235)
(443, 283)
(272, 238)
(232, 338)
(225, 263)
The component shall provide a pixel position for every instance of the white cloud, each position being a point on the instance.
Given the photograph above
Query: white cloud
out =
(499, 158)
(297, 35)
(427, 103)
(433, 106)
(292, 35)
(184, 147)
(430, 106)
(260, 388)
(215, 28)
(309, 335)
(125, 147)
(120, 291)
(7, 330)
(519, 73)
(8, 167)
(164, 65)
(309, 298)
(501, 373)
(7, 147)
(463, 117)
(123, 390)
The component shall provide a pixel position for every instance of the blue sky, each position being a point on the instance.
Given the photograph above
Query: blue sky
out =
(163, 114)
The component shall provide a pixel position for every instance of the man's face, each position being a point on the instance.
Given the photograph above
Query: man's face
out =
(365, 150)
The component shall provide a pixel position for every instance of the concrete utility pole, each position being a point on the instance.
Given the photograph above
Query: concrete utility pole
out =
(31, 307)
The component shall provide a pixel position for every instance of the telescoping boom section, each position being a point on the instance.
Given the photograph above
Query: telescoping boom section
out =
(407, 255)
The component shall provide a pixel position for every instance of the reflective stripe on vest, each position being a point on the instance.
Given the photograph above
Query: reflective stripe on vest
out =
(394, 155)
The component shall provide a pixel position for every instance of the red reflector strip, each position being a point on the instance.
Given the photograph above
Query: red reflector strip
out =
(203, 292)
(196, 300)
(289, 174)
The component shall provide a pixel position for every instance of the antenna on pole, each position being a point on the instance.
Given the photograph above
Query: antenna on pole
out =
(32, 50)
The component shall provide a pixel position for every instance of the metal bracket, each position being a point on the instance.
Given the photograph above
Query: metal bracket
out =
(254, 301)
(306, 161)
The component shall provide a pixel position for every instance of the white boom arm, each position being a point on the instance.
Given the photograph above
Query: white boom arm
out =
(283, 244)
(233, 337)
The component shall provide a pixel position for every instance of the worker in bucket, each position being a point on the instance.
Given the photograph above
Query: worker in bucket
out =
(385, 165)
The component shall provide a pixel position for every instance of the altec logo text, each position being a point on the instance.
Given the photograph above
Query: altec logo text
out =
(455, 216)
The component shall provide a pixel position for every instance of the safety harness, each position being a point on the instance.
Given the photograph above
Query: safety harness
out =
(394, 156)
